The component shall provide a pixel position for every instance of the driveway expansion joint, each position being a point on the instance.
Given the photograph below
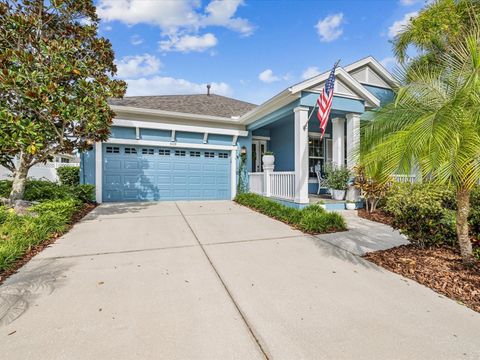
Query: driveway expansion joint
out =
(240, 312)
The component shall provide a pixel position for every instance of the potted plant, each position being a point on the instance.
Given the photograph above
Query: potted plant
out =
(350, 205)
(337, 180)
(268, 159)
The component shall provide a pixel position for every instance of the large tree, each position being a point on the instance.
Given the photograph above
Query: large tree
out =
(434, 126)
(55, 79)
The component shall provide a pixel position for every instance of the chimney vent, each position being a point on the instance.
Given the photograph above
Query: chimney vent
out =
(208, 89)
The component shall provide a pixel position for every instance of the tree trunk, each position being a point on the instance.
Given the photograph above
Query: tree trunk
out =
(19, 180)
(463, 209)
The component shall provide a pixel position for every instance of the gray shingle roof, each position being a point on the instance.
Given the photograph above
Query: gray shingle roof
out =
(201, 104)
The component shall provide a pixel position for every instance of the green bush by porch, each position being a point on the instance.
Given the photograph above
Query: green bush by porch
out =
(313, 219)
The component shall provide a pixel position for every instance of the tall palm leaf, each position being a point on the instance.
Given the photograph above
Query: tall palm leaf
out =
(434, 127)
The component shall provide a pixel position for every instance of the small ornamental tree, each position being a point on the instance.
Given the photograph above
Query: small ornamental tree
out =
(55, 79)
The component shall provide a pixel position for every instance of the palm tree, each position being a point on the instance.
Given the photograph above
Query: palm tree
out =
(434, 126)
(434, 29)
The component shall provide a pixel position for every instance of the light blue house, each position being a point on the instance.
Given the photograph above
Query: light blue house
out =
(188, 147)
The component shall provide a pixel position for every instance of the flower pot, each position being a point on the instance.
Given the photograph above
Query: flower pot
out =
(338, 194)
(350, 206)
(268, 160)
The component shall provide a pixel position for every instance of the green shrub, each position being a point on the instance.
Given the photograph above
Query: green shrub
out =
(40, 190)
(19, 233)
(337, 177)
(69, 175)
(312, 219)
(425, 213)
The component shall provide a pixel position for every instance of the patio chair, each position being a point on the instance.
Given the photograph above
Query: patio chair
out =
(322, 182)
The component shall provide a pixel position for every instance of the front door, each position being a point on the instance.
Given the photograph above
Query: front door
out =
(258, 149)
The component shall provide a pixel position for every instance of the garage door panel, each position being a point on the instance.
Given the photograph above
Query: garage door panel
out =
(162, 175)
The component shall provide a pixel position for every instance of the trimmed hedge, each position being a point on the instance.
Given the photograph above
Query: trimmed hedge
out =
(20, 233)
(40, 190)
(69, 175)
(312, 219)
(425, 213)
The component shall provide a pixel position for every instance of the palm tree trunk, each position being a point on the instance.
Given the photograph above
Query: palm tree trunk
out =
(463, 209)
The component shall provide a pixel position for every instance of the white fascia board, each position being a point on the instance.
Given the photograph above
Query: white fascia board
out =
(346, 78)
(374, 64)
(173, 114)
(169, 144)
(178, 127)
(274, 103)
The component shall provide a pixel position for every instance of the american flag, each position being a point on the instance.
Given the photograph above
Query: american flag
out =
(324, 101)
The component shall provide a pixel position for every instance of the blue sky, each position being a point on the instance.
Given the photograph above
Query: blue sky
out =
(249, 49)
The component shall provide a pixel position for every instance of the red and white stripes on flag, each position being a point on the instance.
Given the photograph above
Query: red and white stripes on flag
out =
(325, 99)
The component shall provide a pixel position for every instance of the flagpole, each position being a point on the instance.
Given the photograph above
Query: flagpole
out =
(314, 106)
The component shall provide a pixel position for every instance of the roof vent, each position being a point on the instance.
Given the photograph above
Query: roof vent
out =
(208, 89)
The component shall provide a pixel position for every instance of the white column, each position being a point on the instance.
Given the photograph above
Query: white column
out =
(353, 139)
(338, 141)
(98, 172)
(233, 174)
(301, 154)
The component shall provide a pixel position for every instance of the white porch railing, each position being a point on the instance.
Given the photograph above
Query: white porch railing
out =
(404, 178)
(277, 184)
(256, 182)
(282, 184)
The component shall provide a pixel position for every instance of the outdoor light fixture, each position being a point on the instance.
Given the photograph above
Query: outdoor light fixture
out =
(243, 150)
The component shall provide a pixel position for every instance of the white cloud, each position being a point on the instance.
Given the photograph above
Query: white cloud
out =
(268, 77)
(310, 72)
(330, 28)
(160, 85)
(188, 43)
(408, 2)
(137, 66)
(389, 62)
(176, 18)
(107, 28)
(399, 25)
(136, 40)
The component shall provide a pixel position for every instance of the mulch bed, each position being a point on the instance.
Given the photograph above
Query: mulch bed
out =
(439, 268)
(86, 208)
(378, 216)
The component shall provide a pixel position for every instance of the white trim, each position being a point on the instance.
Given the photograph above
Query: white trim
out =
(261, 138)
(169, 144)
(172, 138)
(345, 77)
(172, 114)
(137, 133)
(233, 172)
(301, 154)
(98, 172)
(315, 134)
(205, 138)
(177, 127)
(379, 68)
(234, 140)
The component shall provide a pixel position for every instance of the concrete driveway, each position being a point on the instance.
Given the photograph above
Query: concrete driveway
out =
(213, 280)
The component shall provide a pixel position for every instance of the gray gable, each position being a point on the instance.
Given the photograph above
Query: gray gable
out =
(201, 104)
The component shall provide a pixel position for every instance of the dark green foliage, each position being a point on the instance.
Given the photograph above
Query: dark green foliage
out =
(19, 233)
(69, 175)
(39, 190)
(425, 213)
(312, 219)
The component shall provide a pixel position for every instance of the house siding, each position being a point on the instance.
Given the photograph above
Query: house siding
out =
(282, 143)
(384, 95)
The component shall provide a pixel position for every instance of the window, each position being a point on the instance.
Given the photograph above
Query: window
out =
(316, 158)
(223, 155)
(164, 152)
(129, 150)
(209, 154)
(113, 150)
(148, 151)
(195, 153)
(64, 160)
(180, 153)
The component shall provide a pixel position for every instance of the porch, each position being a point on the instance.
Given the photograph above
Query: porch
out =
(300, 152)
